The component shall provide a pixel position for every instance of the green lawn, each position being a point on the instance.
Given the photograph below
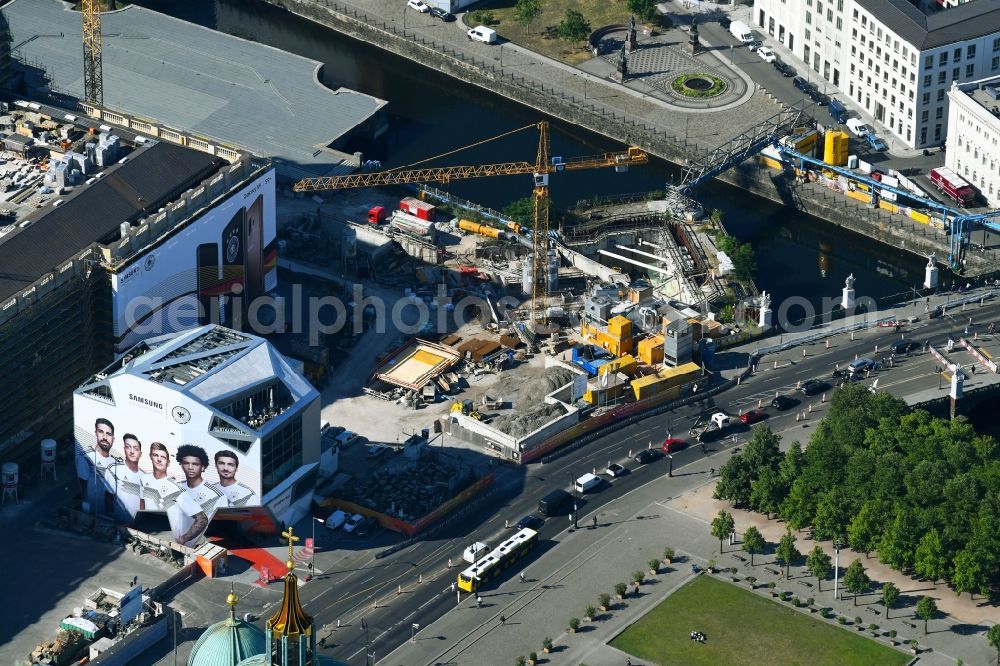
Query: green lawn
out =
(744, 628)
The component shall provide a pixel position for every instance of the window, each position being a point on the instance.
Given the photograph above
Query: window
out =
(816, 62)
(781, 34)
(954, 73)
(836, 77)
(808, 34)
(958, 54)
(840, 23)
(770, 26)
(840, 5)
(923, 135)
(809, 18)
(856, 18)
(970, 51)
(927, 80)
(941, 76)
(926, 99)
(281, 455)
(940, 95)
(829, 15)
(996, 44)
(995, 63)
(928, 62)
(937, 132)
(970, 69)
(943, 58)
(806, 51)
(939, 113)
(895, 45)
(864, 21)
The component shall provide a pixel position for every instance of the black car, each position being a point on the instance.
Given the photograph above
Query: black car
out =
(531, 522)
(647, 456)
(813, 386)
(783, 402)
(818, 97)
(366, 526)
(801, 84)
(904, 346)
(442, 14)
(783, 68)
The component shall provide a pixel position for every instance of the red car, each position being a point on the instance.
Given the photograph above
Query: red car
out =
(674, 444)
(753, 416)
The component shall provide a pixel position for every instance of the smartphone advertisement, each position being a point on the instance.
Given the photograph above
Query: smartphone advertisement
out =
(188, 277)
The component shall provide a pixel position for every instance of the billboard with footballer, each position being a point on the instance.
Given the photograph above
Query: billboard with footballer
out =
(189, 278)
(145, 447)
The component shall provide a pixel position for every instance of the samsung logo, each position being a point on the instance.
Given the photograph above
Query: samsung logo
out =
(130, 273)
(145, 402)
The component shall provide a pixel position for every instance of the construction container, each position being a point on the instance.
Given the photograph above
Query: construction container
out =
(647, 387)
(418, 208)
(651, 350)
(682, 374)
(836, 148)
(626, 365)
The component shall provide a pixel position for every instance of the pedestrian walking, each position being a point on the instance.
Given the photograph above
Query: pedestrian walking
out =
(479, 601)
(522, 576)
(503, 620)
(452, 586)
(595, 521)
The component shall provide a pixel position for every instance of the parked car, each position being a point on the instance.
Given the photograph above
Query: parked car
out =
(783, 68)
(366, 527)
(753, 45)
(673, 445)
(614, 470)
(838, 111)
(353, 522)
(935, 313)
(753, 416)
(647, 456)
(904, 346)
(813, 386)
(875, 141)
(531, 522)
(447, 17)
(783, 402)
(857, 126)
(336, 520)
(766, 54)
(801, 84)
(419, 5)
(818, 97)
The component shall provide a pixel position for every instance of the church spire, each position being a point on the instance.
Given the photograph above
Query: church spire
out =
(290, 630)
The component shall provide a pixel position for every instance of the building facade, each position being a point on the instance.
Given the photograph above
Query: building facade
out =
(892, 60)
(974, 136)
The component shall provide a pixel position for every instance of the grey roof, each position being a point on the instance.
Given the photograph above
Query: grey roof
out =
(193, 79)
(939, 28)
(154, 175)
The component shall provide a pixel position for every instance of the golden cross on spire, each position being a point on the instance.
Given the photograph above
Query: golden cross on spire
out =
(287, 534)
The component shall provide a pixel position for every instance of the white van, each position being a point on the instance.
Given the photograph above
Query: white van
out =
(483, 34)
(475, 552)
(857, 126)
(586, 483)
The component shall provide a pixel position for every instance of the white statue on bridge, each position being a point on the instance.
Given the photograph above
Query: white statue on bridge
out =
(849, 282)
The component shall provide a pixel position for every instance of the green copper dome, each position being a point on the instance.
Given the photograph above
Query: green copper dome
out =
(318, 660)
(229, 642)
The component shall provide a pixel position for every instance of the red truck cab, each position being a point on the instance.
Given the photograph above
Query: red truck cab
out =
(376, 215)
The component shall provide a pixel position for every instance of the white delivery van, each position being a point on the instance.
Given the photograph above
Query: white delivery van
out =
(475, 552)
(586, 483)
(741, 31)
(857, 126)
(483, 34)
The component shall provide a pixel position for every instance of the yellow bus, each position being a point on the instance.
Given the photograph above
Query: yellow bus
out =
(497, 560)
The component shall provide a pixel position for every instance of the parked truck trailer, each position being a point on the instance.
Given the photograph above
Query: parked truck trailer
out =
(953, 185)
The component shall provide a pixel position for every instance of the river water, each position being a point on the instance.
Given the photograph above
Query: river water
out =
(431, 114)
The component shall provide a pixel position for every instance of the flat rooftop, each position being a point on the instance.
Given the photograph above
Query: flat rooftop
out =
(190, 78)
(154, 175)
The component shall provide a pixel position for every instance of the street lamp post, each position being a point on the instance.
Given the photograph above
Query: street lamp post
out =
(575, 508)
(836, 569)
(312, 555)
(369, 656)
(414, 628)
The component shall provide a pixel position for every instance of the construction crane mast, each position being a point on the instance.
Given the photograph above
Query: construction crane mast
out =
(539, 170)
(93, 77)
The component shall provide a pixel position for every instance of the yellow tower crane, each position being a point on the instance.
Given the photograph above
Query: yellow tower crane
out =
(539, 170)
(93, 70)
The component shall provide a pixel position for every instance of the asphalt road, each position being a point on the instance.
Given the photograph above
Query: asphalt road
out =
(347, 592)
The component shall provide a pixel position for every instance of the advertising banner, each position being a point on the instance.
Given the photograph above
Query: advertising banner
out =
(153, 452)
(189, 278)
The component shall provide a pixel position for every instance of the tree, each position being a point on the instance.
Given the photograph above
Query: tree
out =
(526, 11)
(818, 563)
(762, 451)
(832, 515)
(522, 210)
(767, 492)
(799, 507)
(898, 545)
(993, 635)
(753, 542)
(646, 9)
(574, 27)
(856, 580)
(865, 529)
(786, 552)
(929, 560)
(969, 574)
(926, 609)
(722, 526)
(890, 594)
(735, 481)
(792, 463)
(742, 255)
